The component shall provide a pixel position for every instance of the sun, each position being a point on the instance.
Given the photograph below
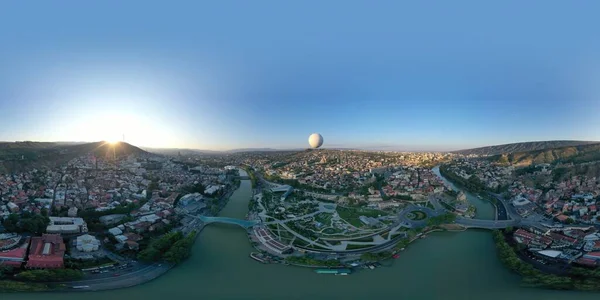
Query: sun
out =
(112, 142)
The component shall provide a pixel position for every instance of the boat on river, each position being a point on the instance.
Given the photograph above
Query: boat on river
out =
(334, 271)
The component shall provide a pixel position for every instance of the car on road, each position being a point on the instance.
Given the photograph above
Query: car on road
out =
(116, 275)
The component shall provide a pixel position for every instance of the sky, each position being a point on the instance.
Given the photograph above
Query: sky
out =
(389, 75)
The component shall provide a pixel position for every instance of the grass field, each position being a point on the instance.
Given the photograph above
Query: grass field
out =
(351, 215)
(354, 247)
(324, 218)
(417, 215)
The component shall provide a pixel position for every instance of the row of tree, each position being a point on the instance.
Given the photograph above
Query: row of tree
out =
(53, 275)
(303, 260)
(375, 256)
(173, 247)
(9, 286)
(35, 224)
(473, 184)
(181, 250)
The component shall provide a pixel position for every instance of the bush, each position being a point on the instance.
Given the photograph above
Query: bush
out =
(303, 260)
(173, 247)
(50, 275)
(181, 250)
(16, 286)
(442, 219)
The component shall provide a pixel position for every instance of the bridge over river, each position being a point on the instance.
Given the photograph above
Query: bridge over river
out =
(468, 223)
(486, 224)
(224, 220)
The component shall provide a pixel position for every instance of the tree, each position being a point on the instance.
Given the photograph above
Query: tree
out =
(180, 250)
(441, 219)
(152, 186)
(50, 275)
(5, 271)
(214, 209)
(149, 254)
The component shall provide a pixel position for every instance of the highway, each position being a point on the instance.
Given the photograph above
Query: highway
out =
(121, 278)
(510, 210)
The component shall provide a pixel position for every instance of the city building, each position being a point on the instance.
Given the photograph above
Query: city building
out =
(46, 252)
(9, 240)
(15, 257)
(87, 243)
(63, 225)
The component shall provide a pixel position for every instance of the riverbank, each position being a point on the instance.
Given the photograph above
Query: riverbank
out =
(579, 279)
(144, 274)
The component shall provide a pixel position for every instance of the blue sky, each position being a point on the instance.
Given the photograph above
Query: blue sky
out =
(426, 75)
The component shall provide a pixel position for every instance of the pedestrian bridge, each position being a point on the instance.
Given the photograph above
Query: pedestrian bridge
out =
(242, 223)
(486, 224)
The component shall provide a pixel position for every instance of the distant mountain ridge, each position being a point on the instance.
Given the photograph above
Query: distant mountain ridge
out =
(571, 154)
(522, 147)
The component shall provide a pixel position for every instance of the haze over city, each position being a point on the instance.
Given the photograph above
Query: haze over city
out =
(223, 75)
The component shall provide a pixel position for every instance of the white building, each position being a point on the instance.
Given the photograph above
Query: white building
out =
(62, 225)
(212, 189)
(520, 201)
(12, 207)
(115, 231)
(87, 243)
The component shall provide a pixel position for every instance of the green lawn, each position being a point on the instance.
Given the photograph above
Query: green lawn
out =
(324, 218)
(351, 215)
(417, 215)
(354, 247)
(332, 231)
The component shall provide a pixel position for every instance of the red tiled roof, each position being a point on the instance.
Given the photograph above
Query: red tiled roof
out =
(52, 259)
(15, 253)
(16, 264)
(586, 261)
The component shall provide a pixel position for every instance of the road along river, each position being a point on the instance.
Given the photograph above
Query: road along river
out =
(442, 266)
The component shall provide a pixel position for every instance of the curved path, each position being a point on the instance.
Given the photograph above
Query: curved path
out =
(137, 276)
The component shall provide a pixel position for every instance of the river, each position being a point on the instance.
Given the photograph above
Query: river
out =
(442, 266)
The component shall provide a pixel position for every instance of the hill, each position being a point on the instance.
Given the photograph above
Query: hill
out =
(19, 156)
(573, 154)
(521, 147)
(104, 149)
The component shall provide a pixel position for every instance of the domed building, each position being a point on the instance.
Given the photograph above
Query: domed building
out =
(87, 243)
